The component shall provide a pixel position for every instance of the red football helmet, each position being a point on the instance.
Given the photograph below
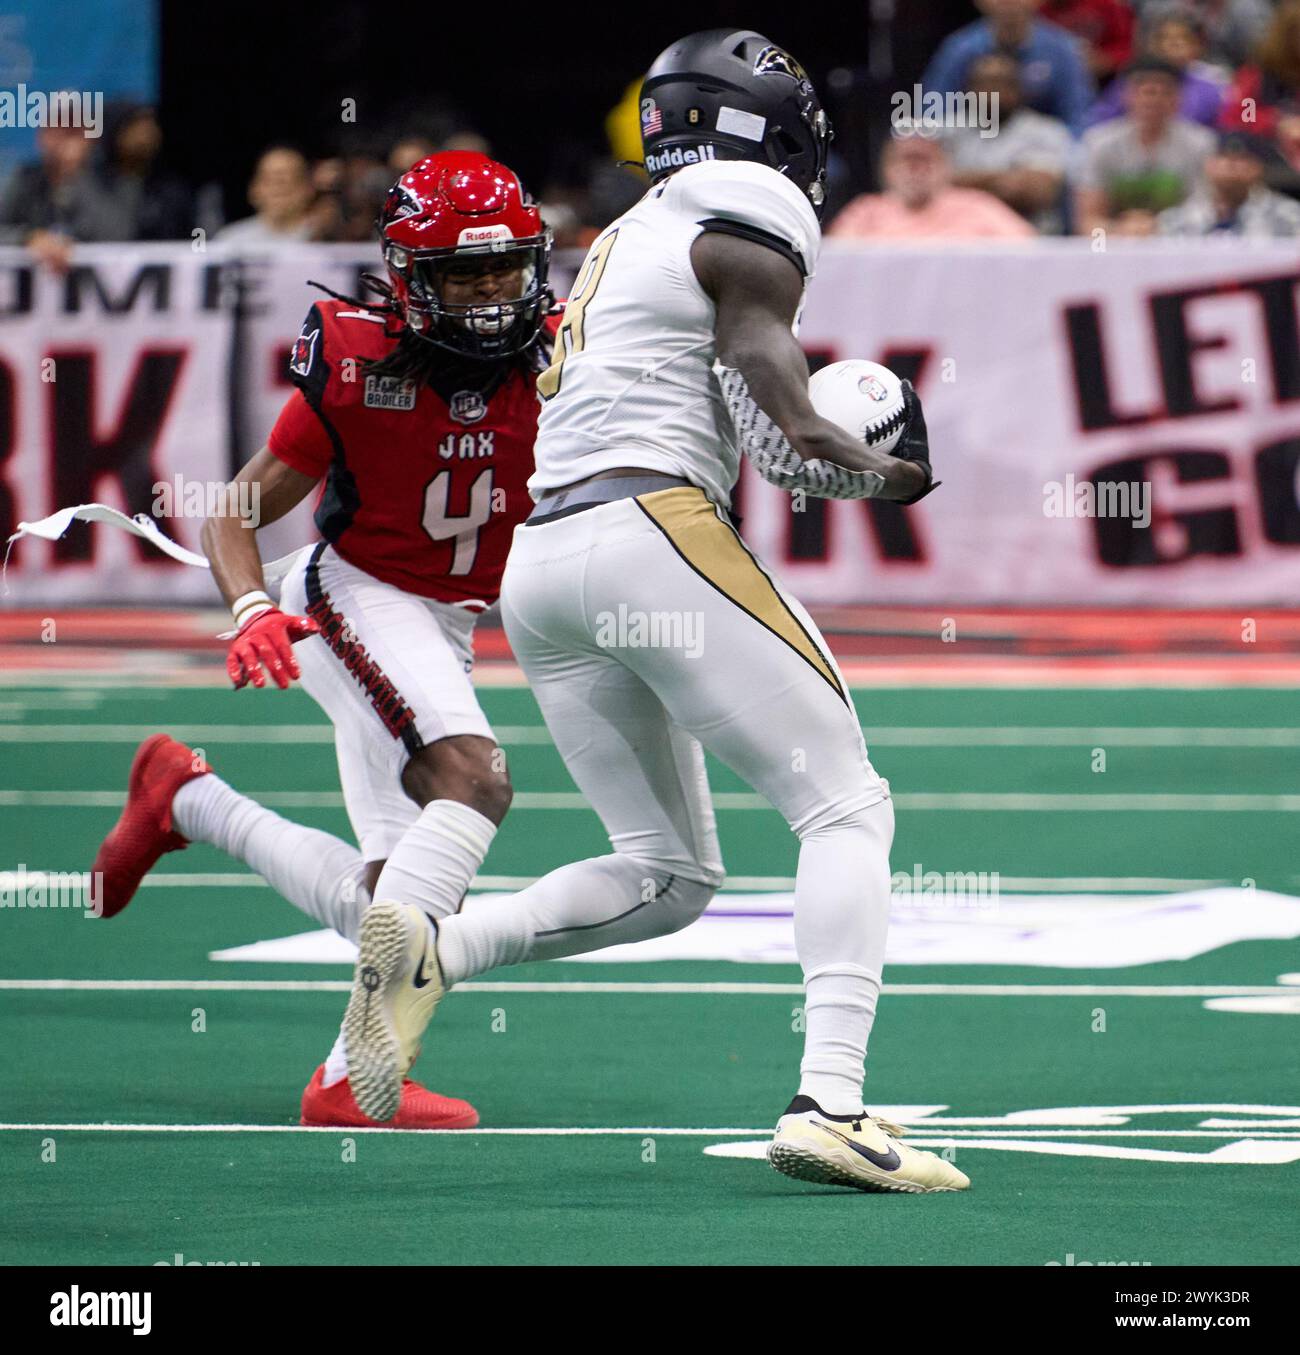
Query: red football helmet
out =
(452, 216)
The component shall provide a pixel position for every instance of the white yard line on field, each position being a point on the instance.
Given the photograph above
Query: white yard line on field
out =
(666, 987)
(935, 1138)
(901, 736)
(1001, 801)
(1029, 884)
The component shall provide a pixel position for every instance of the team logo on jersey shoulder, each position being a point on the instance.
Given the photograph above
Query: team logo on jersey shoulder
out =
(304, 352)
(468, 406)
(389, 392)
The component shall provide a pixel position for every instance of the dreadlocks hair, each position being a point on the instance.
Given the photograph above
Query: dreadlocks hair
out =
(411, 358)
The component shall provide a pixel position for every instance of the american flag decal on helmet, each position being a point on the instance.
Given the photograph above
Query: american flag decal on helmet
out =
(652, 119)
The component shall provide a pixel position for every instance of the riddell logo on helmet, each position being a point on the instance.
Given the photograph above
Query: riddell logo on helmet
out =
(482, 235)
(678, 156)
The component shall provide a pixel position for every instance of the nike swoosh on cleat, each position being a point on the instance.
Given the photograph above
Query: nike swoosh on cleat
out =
(887, 1162)
(421, 979)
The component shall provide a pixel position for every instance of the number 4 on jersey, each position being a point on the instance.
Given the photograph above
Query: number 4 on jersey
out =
(570, 338)
(463, 530)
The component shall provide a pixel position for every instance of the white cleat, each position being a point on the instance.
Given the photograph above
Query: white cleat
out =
(397, 984)
(864, 1152)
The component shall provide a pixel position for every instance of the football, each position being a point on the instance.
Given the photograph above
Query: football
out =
(863, 398)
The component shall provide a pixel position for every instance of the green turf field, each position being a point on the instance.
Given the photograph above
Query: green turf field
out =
(623, 1090)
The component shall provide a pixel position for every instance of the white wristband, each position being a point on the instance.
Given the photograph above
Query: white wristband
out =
(245, 608)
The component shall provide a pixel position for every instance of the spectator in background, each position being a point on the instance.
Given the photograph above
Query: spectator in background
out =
(1140, 164)
(282, 196)
(1265, 96)
(406, 151)
(1104, 27)
(1232, 199)
(51, 204)
(156, 205)
(1233, 29)
(1025, 163)
(350, 191)
(1173, 33)
(1053, 73)
(466, 139)
(584, 192)
(611, 191)
(920, 201)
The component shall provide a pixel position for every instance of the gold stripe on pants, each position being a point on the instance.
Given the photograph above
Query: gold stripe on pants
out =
(713, 549)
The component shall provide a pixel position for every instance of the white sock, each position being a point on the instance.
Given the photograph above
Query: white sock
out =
(838, 1010)
(315, 871)
(336, 1065)
(432, 867)
(437, 857)
(841, 917)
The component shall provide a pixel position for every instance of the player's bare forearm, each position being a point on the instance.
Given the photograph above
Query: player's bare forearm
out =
(230, 539)
(757, 293)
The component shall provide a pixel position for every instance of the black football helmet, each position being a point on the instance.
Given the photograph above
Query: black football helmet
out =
(730, 94)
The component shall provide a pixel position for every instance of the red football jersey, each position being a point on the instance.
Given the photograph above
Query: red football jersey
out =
(424, 483)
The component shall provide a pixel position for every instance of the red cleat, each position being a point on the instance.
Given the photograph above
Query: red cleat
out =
(144, 831)
(419, 1108)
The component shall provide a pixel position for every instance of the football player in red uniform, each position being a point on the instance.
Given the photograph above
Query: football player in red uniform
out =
(419, 416)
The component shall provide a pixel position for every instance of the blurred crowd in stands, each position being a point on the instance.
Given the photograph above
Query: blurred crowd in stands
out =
(1158, 117)
(1153, 117)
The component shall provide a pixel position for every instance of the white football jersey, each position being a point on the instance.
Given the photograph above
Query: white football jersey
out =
(632, 380)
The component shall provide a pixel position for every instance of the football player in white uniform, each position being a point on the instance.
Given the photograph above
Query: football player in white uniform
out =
(645, 626)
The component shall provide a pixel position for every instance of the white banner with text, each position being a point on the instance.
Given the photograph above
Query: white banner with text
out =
(1114, 428)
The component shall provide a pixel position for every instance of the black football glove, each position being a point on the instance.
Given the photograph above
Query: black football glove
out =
(914, 445)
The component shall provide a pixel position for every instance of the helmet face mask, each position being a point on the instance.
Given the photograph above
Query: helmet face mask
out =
(442, 306)
(733, 95)
(467, 256)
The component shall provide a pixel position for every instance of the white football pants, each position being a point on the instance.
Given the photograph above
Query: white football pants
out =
(646, 628)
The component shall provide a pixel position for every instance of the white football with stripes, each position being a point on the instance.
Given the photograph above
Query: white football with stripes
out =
(863, 398)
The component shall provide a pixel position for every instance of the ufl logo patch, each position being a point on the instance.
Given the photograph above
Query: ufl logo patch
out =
(389, 392)
(873, 388)
(468, 406)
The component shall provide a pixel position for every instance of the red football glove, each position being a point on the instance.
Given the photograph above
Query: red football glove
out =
(267, 639)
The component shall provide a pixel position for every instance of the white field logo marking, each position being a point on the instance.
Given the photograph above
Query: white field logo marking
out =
(1240, 1135)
